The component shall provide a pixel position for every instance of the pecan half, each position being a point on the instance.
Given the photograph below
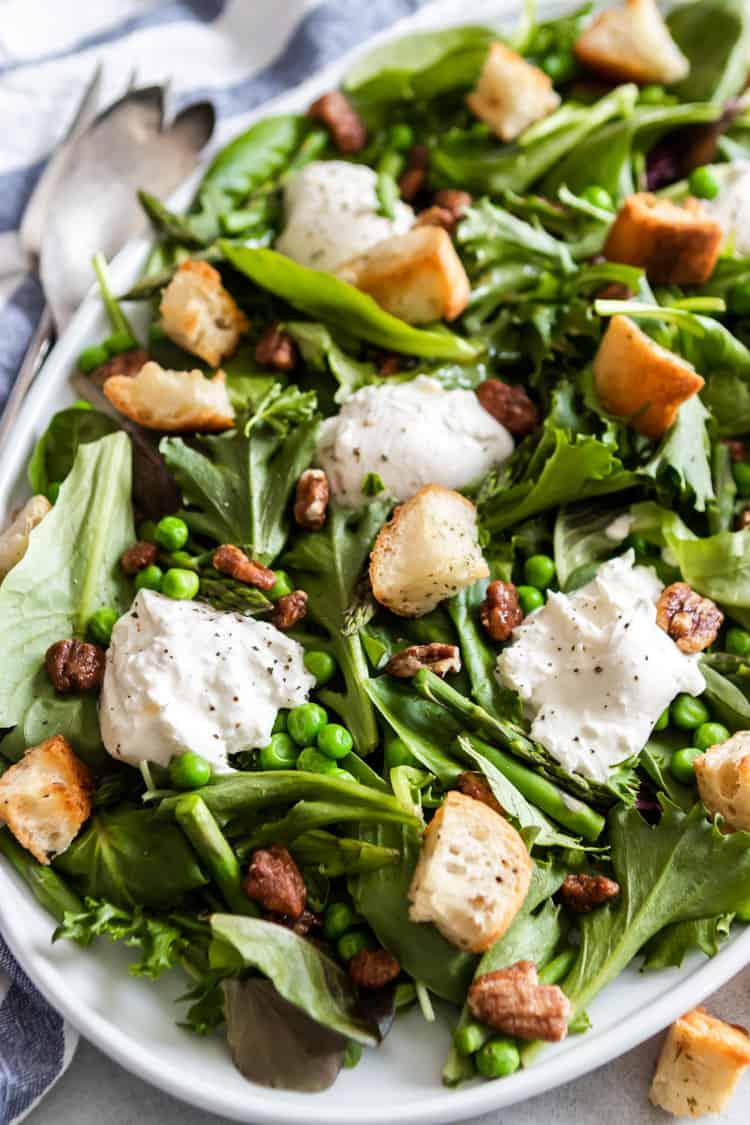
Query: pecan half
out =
(348, 130)
(743, 519)
(453, 200)
(737, 450)
(500, 612)
(274, 880)
(307, 921)
(276, 348)
(413, 179)
(439, 658)
(615, 291)
(230, 560)
(138, 557)
(390, 363)
(692, 621)
(289, 609)
(582, 893)
(436, 217)
(373, 968)
(509, 405)
(474, 785)
(311, 499)
(513, 1001)
(126, 363)
(74, 666)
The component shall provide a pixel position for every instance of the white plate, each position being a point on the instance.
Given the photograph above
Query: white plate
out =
(133, 1020)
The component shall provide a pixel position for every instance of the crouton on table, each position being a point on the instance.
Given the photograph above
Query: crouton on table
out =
(172, 401)
(632, 44)
(723, 776)
(199, 314)
(46, 798)
(511, 93)
(639, 380)
(674, 245)
(15, 539)
(472, 875)
(700, 1064)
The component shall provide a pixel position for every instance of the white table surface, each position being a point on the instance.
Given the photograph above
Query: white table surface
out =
(96, 1091)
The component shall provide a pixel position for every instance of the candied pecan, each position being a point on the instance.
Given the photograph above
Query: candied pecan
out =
(439, 658)
(743, 519)
(582, 893)
(373, 968)
(437, 217)
(274, 880)
(126, 363)
(230, 560)
(348, 130)
(509, 405)
(453, 200)
(289, 609)
(513, 1001)
(500, 611)
(411, 182)
(737, 449)
(615, 291)
(474, 785)
(74, 665)
(693, 622)
(390, 363)
(137, 557)
(311, 499)
(308, 920)
(276, 348)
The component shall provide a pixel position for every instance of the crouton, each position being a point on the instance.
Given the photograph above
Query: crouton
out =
(723, 775)
(45, 798)
(700, 1064)
(15, 539)
(428, 551)
(417, 276)
(199, 314)
(511, 93)
(172, 401)
(675, 245)
(632, 44)
(639, 380)
(472, 875)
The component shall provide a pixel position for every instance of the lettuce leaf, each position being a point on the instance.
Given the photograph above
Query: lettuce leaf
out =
(670, 947)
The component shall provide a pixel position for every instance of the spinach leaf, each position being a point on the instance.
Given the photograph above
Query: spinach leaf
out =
(728, 702)
(299, 971)
(70, 570)
(682, 458)
(326, 298)
(714, 35)
(422, 725)
(681, 870)
(306, 816)
(672, 944)
(74, 716)
(55, 451)
(584, 536)
(131, 858)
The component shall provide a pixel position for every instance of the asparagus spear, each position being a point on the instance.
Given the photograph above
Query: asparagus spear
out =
(47, 886)
(214, 852)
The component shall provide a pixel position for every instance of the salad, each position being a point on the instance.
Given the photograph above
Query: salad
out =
(379, 626)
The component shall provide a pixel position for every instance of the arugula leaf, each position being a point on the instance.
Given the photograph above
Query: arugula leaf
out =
(330, 563)
(161, 943)
(672, 944)
(299, 971)
(585, 535)
(682, 459)
(321, 352)
(70, 570)
(489, 232)
(681, 870)
(55, 451)
(326, 298)
(715, 37)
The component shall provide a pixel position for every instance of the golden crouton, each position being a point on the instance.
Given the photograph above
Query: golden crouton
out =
(472, 875)
(45, 798)
(675, 245)
(172, 401)
(632, 44)
(199, 314)
(639, 380)
(428, 551)
(417, 276)
(723, 775)
(15, 539)
(700, 1064)
(511, 93)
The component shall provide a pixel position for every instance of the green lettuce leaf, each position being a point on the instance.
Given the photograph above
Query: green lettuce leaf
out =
(161, 943)
(715, 37)
(55, 451)
(670, 947)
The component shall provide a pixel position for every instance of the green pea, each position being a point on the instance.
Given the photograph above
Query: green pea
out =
(468, 1038)
(397, 753)
(53, 490)
(281, 587)
(400, 137)
(688, 713)
(189, 771)
(530, 598)
(91, 358)
(652, 95)
(599, 196)
(321, 665)
(737, 641)
(279, 723)
(147, 531)
(343, 775)
(480, 130)
(539, 571)
(738, 298)
(498, 1058)
(559, 66)
(118, 343)
(280, 754)
(304, 722)
(710, 734)
(703, 183)
(335, 741)
(150, 578)
(180, 584)
(741, 472)
(172, 533)
(312, 761)
(101, 624)
(663, 721)
(682, 764)
(352, 943)
(338, 919)
(352, 1054)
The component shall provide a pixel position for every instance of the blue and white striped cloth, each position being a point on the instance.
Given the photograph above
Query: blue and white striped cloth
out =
(237, 54)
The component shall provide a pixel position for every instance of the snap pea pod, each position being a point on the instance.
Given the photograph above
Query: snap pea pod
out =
(214, 852)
